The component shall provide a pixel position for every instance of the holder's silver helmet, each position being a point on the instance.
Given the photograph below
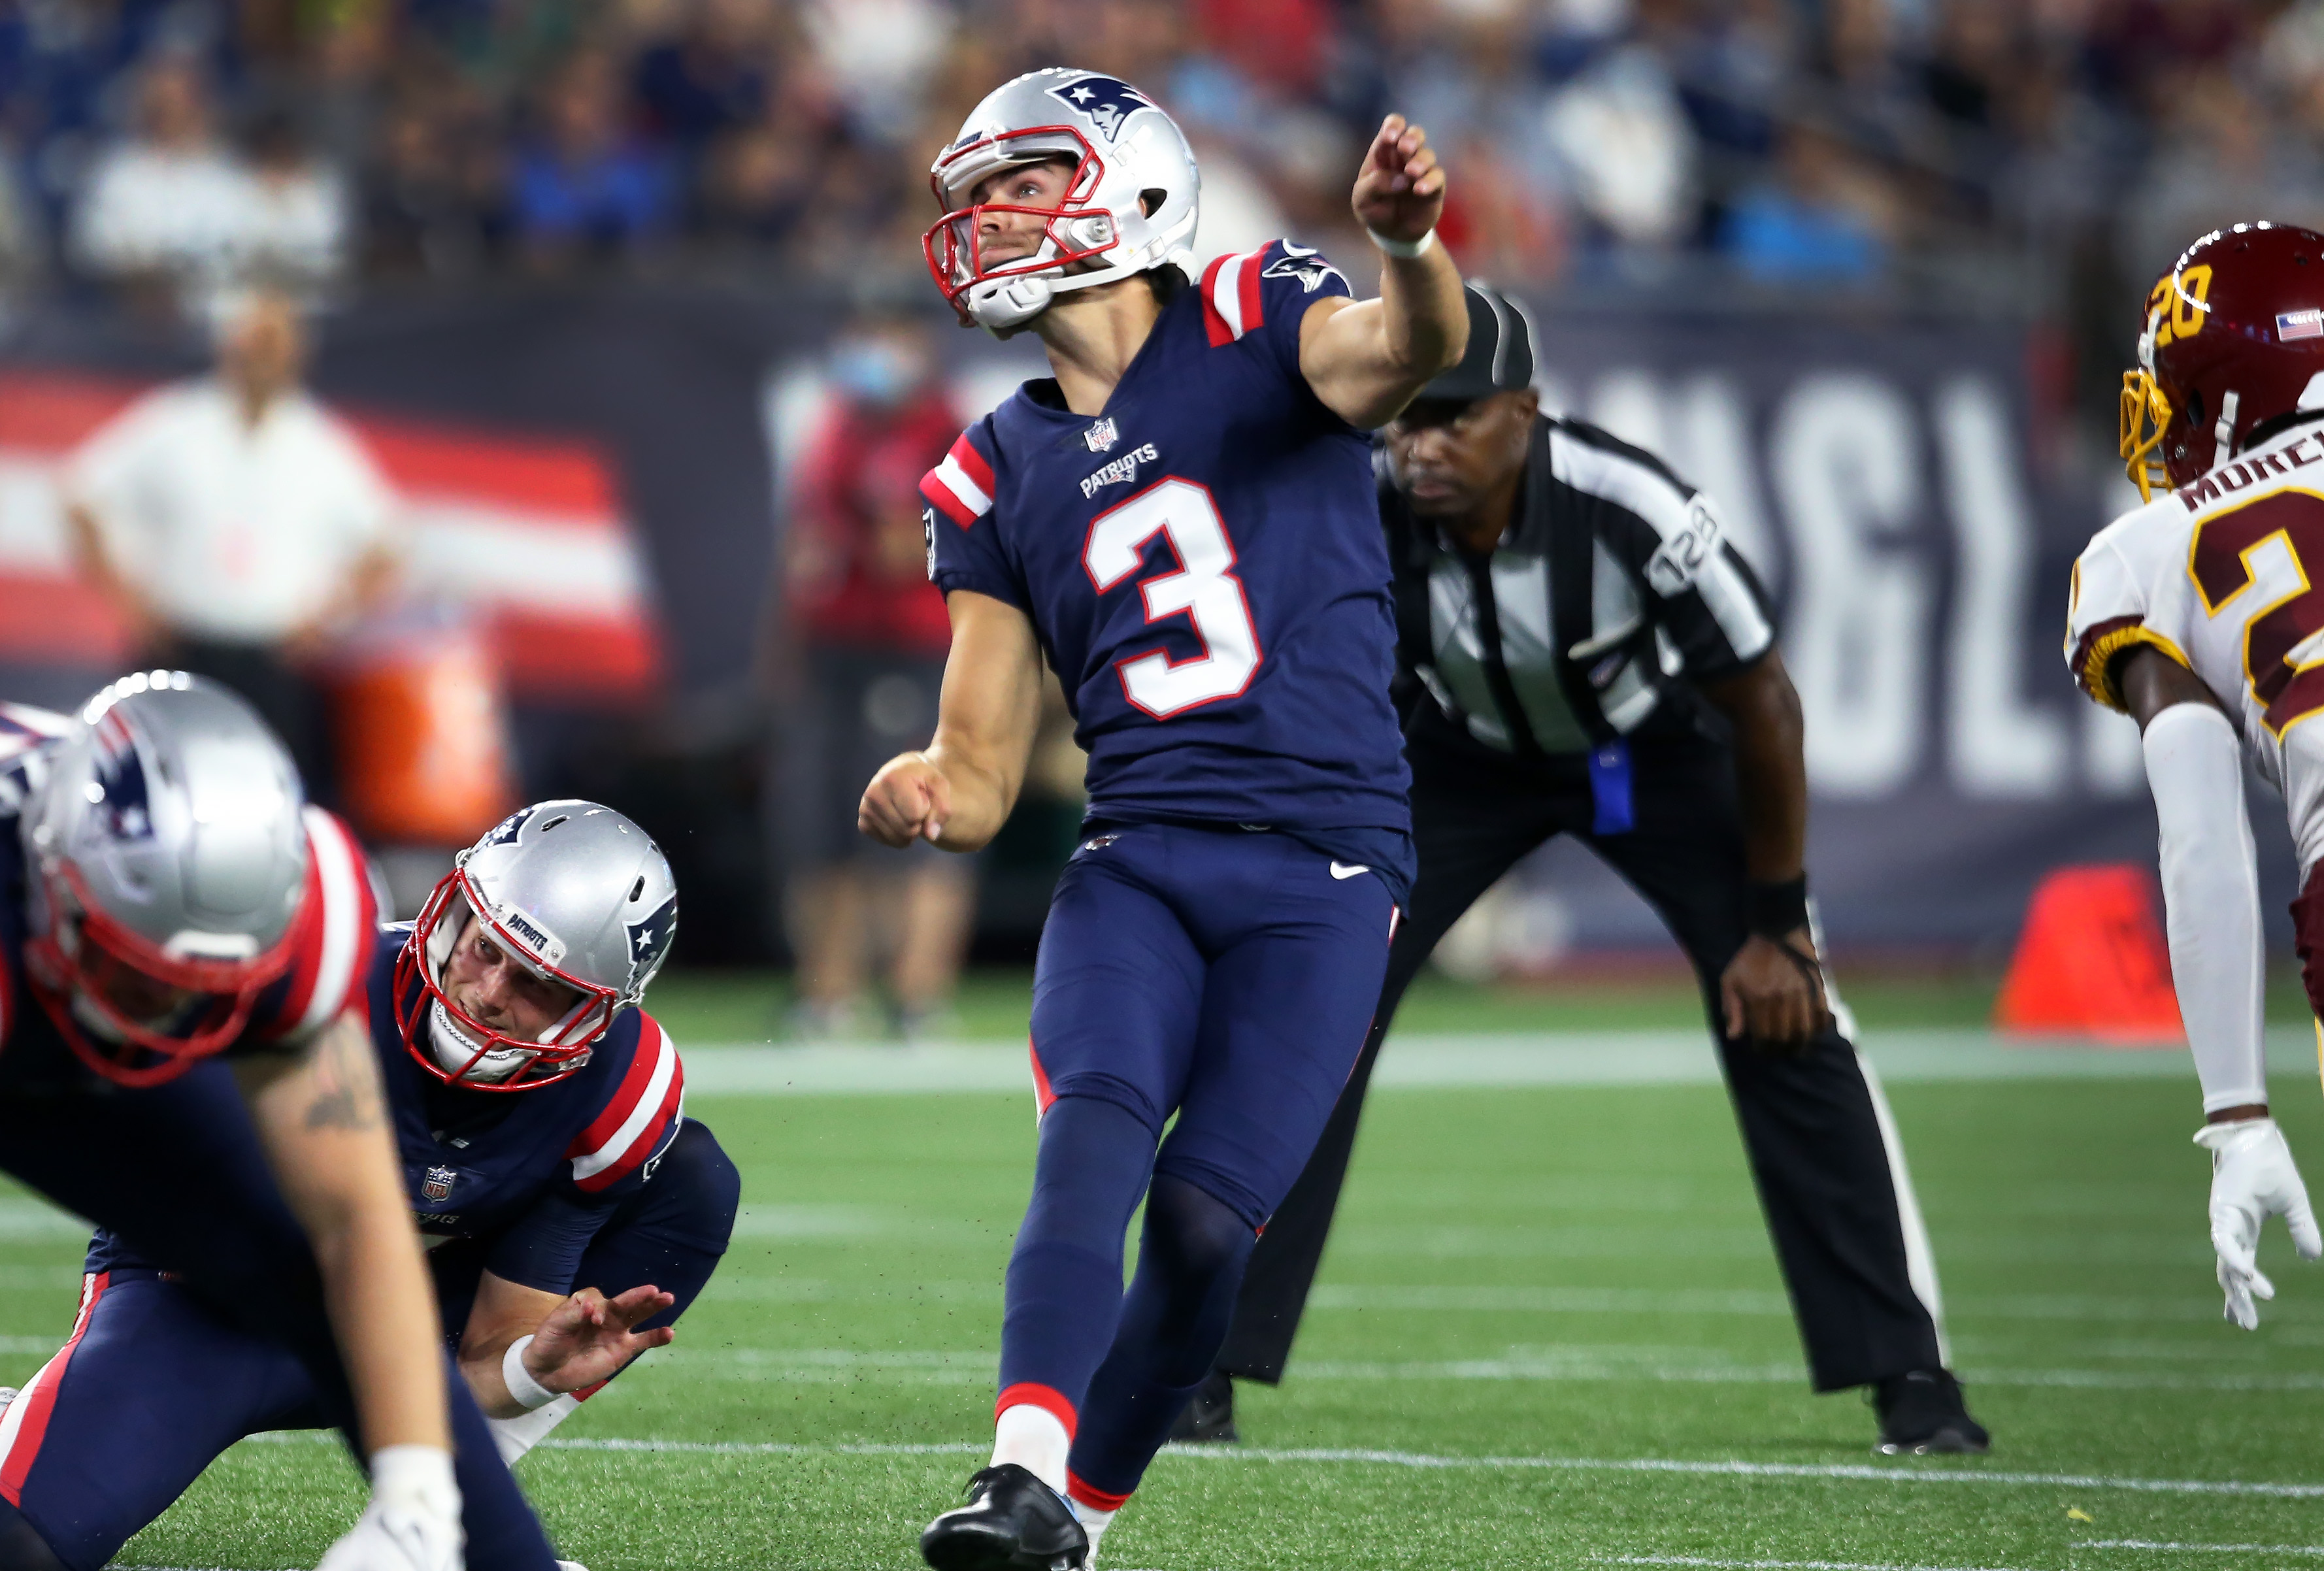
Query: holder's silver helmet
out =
(578, 895)
(1127, 154)
(168, 865)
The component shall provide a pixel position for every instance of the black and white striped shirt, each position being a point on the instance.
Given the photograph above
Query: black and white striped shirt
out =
(1612, 585)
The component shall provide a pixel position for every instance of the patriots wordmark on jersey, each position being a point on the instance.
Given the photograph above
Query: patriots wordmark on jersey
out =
(2225, 576)
(1203, 564)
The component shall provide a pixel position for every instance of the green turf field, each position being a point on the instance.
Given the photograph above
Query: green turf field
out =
(737, 1006)
(1549, 1334)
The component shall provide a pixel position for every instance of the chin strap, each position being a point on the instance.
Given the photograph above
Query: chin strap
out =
(1003, 305)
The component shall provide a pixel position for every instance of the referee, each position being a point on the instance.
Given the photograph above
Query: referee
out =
(1581, 654)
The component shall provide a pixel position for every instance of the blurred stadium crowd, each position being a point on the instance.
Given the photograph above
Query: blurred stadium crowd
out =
(160, 146)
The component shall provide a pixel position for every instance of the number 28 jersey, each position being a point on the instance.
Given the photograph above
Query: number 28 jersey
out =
(2217, 575)
(1203, 563)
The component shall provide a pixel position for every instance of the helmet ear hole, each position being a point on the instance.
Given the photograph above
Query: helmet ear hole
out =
(1151, 198)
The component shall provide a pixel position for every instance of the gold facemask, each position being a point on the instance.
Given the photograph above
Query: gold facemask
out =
(2146, 414)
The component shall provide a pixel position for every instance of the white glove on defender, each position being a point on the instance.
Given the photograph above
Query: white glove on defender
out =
(414, 1520)
(2252, 1179)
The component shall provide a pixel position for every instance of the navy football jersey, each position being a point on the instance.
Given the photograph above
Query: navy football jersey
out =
(1204, 565)
(325, 976)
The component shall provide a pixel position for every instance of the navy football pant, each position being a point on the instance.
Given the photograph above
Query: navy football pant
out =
(161, 1375)
(1222, 975)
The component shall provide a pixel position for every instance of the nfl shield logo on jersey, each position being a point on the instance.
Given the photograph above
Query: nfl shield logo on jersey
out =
(438, 1183)
(1101, 436)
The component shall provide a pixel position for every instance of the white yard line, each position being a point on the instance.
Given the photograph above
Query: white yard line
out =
(1474, 1059)
(1611, 1364)
(2199, 1305)
(2156, 1544)
(1901, 1473)
(1770, 1565)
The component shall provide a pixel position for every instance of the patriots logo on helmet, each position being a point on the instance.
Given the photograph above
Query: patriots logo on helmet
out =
(506, 831)
(1107, 101)
(121, 777)
(437, 1185)
(650, 939)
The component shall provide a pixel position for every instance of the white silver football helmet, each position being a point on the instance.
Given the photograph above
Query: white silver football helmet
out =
(164, 837)
(1130, 206)
(580, 896)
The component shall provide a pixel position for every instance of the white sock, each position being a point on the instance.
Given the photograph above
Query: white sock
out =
(1034, 1438)
(517, 1436)
(1093, 1522)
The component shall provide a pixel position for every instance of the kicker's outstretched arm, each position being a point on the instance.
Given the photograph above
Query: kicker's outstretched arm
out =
(1365, 359)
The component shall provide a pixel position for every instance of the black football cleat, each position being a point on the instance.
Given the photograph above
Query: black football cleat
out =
(1012, 1522)
(1921, 1414)
(1208, 1418)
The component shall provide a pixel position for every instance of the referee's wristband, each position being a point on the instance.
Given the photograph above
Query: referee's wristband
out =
(1402, 250)
(1775, 911)
(529, 1393)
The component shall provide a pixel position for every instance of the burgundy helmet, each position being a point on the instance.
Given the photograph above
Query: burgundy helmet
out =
(2233, 342)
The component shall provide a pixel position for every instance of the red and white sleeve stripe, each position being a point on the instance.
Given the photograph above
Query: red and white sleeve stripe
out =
(960, 486)
(330, 970)
(639, 1120)
(1230, 300)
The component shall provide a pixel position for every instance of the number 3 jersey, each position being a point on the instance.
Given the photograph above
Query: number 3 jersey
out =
(2217, 575)
(1205, 568)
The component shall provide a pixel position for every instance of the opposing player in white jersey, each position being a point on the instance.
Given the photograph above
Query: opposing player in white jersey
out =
(2199, 615)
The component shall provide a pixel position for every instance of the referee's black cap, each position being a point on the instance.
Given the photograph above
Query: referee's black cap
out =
(1500, 349)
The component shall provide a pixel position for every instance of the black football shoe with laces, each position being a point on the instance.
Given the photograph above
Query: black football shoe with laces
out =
(1208, 1418)
(1921, 1414)
(1012, 1522)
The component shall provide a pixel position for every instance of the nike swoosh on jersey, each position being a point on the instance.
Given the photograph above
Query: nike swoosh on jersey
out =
(1346, 870)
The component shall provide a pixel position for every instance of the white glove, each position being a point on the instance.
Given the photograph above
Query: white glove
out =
(2252, 1179)
(414, 1520)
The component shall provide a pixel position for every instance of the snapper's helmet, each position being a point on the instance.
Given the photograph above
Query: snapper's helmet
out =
(1130, 203)
(169, 875)
(2231, 351)
(577, 896)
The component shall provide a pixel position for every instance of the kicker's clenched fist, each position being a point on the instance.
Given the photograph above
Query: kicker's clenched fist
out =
(909, 800)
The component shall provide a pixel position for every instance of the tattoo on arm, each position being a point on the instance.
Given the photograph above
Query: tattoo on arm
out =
(345, 1087)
